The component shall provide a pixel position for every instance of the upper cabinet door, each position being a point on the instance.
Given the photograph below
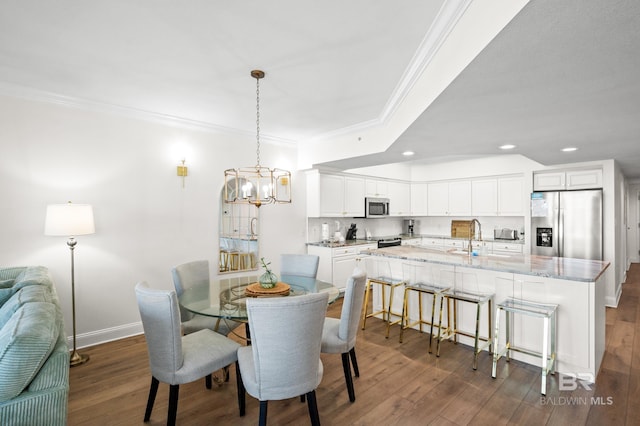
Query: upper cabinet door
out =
(484, 197)
(449, 198)
(332, 195)
(438, 198)
(511, 197)
(552, 181)
(460, 198)
(399, 199)
(419, 199)
(353, 196)
(377, 188)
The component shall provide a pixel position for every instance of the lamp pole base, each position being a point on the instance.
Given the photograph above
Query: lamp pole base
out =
(77, 359)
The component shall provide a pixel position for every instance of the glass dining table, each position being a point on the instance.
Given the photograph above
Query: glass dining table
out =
(225, 298)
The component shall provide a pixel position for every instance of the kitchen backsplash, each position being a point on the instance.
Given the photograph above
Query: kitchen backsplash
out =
(393, 226)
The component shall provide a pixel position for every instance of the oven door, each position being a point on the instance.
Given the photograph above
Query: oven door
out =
(389, 243)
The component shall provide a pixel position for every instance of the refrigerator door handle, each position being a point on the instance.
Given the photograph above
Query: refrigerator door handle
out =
(560, 238)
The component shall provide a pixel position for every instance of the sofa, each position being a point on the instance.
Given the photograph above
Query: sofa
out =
(34, 356)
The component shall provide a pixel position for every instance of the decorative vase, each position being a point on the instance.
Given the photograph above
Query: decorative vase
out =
(268, 280)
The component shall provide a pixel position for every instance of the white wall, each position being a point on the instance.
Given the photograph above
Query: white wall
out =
(633, 219)
(145, 221)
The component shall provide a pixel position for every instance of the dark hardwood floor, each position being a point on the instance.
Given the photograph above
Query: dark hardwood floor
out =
(399, 384)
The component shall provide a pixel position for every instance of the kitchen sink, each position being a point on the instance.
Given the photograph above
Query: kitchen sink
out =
(467, 253)
(458, 252)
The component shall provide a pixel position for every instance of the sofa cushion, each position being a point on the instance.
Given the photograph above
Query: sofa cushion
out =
(6, 290)
(26, 340)
(33, 293)
(12, 272)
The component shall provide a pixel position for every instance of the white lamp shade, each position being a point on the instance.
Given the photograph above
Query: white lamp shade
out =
(69, 220)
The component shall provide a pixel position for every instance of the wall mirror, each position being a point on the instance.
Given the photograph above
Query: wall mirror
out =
(238, 232)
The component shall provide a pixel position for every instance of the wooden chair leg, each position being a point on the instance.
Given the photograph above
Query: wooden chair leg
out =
(263, 413)
(347, 376)
(354, 362)
(153, 390)
(174, 390)
(313, 408)
(241, 391)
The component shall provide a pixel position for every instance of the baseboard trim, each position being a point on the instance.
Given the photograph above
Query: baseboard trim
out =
(106, 335)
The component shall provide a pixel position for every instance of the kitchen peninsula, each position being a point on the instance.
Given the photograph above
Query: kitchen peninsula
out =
(577, 286)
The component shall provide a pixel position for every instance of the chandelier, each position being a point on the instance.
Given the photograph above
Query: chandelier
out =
(257, 185)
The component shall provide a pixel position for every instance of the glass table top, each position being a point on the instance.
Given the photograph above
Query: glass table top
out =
(225, 297)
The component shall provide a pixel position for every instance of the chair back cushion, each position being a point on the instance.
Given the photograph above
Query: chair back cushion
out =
(286, 334)
(352, 307)
(189, 275)
(161, 322)
(300, 270)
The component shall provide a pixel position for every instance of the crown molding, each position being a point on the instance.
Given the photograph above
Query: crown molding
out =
(443, 24)
(30, 94)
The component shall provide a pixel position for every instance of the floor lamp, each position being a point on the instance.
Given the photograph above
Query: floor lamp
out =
(70, 220)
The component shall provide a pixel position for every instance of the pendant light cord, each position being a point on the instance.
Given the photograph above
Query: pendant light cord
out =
(258, 122)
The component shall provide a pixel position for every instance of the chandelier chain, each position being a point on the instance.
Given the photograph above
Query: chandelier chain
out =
(258, 122)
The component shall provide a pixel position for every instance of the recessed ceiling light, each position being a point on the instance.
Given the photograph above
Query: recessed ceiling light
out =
(408, 153)
(507, 146)
(569, 149)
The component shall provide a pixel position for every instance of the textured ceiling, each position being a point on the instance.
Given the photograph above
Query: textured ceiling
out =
(560, 73)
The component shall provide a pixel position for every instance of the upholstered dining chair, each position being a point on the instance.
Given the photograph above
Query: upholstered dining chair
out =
(175, 359)
(300, 270)
(194, 274)
(283, 360)
(339, 335)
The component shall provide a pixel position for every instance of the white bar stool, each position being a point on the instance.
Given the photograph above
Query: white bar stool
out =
(417, 279)
(462, 293)
(547, 312)
(379, 272)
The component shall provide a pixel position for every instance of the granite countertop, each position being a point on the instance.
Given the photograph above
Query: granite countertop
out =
(563, 268)
(346, 243)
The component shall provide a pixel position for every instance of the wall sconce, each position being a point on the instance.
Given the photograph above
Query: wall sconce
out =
(183, 171)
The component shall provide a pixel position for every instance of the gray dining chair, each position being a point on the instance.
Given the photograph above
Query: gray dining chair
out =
(193, 274)
(283, 360)
(175, 359)
(339, 334)
(300, 270)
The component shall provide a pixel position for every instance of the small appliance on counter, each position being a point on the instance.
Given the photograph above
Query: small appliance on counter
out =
(351, 232)
(409, 225)
(505, 234)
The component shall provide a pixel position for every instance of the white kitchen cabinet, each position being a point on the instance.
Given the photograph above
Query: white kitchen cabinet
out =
(399, 199)
(567, 180)
(376, 188)
(511, 196)
(337, 264)
(332, 195)
(411, 241)
(499, 196)
(484, 197)
(432, 243)
(507, 248)
(418, 200)
(449, 198)
(583, 179)
(457, 244)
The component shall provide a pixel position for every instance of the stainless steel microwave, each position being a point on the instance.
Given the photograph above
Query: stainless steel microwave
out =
(376, 207)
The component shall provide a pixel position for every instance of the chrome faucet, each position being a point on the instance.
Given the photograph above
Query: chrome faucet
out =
(471, 228)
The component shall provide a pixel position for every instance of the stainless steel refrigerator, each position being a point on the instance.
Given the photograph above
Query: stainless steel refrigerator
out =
(567, 224)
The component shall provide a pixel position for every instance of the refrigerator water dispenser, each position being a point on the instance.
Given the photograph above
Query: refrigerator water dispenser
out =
(544, 237)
